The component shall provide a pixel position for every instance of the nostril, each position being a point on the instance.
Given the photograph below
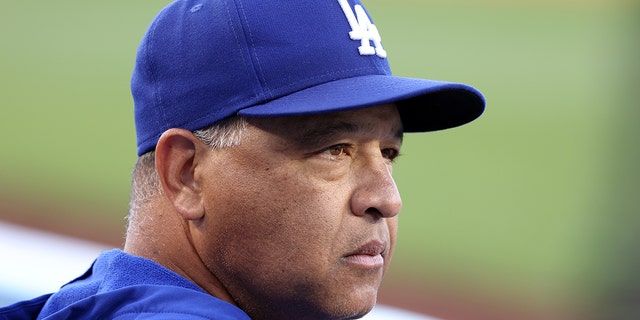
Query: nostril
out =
(196, 8)
(374, 212)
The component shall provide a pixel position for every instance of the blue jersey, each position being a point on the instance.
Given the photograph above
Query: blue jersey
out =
(122, 286)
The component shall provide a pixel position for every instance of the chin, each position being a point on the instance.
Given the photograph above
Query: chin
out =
(362, 313)
(354, 308)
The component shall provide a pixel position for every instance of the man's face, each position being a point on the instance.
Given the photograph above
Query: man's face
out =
(301, 217)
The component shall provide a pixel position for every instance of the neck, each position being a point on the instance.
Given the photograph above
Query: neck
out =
(160, 234)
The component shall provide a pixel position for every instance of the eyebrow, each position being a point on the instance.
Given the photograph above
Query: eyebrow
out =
(319, 134)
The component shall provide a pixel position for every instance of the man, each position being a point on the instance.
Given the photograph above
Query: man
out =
(266, 134)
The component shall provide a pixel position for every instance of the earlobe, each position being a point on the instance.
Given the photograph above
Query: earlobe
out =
(176, 163)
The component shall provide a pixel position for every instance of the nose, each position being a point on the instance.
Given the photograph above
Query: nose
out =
(376, 193)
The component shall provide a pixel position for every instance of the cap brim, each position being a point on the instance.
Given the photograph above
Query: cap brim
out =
(424, 105)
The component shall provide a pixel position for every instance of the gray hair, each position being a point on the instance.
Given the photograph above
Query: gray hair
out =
(145, 183)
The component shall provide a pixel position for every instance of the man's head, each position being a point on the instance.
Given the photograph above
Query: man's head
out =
(266, 135)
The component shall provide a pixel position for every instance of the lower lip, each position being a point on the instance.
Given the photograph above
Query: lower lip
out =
(365, 261)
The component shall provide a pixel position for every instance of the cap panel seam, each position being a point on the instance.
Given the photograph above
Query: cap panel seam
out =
(153, 79)
(257, 68)
(239, 44)
(157, 96)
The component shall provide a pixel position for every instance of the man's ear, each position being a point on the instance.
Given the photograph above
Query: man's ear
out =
(176, 162)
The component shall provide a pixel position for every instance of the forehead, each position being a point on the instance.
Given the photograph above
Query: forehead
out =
(381, 121)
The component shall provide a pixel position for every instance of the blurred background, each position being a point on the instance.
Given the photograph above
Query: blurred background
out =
(531, 212)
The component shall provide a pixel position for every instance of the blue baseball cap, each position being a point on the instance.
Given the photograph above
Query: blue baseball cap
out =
(202, 61)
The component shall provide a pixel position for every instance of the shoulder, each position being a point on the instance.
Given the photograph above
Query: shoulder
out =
(169, 302)
(121, 286)
(151, 302)
(28, 309)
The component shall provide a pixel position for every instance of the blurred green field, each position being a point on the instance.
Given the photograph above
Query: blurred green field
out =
(534, 200)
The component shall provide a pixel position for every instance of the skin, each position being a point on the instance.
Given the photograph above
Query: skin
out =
(299, 221)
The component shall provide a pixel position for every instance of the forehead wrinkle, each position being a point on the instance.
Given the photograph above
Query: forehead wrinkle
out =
(319, 129)
(335, 128)
(319, 133)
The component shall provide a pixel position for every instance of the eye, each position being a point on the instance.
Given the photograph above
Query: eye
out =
(337, 150)
(390, 153)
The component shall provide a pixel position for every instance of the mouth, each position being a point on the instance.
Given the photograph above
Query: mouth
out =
(367, 256)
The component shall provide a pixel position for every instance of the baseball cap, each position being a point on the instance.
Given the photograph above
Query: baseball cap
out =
(202, 61)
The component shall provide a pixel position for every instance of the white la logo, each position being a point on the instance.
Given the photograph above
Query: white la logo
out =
(362, 29)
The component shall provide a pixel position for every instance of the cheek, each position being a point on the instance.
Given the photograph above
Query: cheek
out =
(392, 224)
(274, 216)
(273, 235)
